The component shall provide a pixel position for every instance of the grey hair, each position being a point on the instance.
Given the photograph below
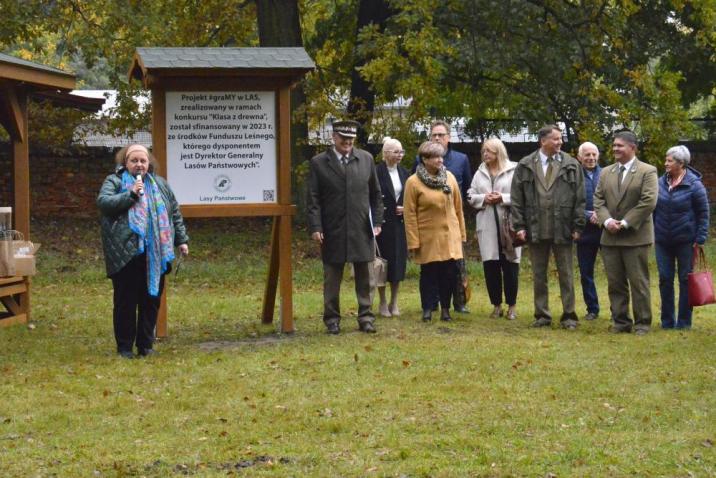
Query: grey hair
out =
(586, 144)
(680, 153)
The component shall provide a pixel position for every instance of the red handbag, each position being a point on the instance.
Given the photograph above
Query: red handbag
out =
(701, 283)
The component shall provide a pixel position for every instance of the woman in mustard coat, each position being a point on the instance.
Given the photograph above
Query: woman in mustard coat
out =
(434, 227)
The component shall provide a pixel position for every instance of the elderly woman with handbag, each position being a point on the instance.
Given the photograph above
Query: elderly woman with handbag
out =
(141, 224)
(681, 224)
(391, 241)
(489, 193)
(435, 228)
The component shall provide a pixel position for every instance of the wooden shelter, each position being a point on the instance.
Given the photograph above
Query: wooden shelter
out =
(273, 71)
(20, 82)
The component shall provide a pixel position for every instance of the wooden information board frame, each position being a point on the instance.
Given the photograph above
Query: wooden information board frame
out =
(163, 70)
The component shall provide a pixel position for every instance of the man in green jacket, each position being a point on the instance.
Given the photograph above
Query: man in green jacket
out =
(548, 212)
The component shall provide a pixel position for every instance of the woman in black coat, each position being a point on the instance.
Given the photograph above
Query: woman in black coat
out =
(391, 241)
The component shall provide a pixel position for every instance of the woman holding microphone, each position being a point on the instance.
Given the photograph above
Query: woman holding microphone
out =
(141, 223)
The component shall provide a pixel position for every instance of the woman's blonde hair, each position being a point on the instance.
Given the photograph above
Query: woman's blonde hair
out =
(498, 147)
(389, 143)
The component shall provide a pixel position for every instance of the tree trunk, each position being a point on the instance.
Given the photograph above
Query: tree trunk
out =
(362, 97)
(279, 26)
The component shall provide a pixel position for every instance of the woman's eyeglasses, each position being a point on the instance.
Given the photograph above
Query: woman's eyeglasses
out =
(398, 152)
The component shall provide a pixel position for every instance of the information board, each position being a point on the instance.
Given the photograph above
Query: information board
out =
(221, 146)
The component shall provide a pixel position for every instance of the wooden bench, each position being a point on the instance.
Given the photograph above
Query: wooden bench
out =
(15, 296)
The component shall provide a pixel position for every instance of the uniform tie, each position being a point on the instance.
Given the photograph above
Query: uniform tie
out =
(344, 160)
(622, 168)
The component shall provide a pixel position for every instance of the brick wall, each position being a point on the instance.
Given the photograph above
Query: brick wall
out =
(64, 185)
(67, 184)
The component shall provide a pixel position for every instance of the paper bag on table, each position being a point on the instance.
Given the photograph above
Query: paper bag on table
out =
(7, 261)
(24, 257)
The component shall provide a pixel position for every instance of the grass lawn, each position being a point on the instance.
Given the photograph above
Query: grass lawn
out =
(228, 396)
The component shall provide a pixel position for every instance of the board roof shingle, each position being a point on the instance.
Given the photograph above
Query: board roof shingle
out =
(210, 57)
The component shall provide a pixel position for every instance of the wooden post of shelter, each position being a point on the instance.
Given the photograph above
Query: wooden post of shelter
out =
(20, 82)
(221, 122)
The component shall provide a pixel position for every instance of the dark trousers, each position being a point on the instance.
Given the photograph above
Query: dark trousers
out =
(135, 311)
(498, 273)
(586, 257)
(666, 256)
(458, 291)
(332, 278)
(437, 280)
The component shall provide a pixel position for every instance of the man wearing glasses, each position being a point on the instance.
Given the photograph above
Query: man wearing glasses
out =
(459, 165)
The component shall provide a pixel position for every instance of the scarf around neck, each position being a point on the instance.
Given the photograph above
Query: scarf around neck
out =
(438, 181)
(149, 220)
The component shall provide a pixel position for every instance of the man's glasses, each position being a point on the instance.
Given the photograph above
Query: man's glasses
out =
(438, 135)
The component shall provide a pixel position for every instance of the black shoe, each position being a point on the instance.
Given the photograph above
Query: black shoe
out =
(445, 315)
(427, 315)
(146, 352)
(333, 328)
(126, 354)
(367, 327)
(462, 310)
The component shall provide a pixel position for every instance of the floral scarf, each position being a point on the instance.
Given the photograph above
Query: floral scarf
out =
(673, 182)
(438, 181)
(149, 220)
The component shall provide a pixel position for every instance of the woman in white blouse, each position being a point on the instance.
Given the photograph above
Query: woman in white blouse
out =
(391, 241)
(489, 193)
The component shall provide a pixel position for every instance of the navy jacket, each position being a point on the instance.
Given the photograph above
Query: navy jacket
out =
(682, 214)
(459, 165)
(592, 233)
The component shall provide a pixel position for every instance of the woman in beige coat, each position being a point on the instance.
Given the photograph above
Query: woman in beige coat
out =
(489, 193)
(434, 227)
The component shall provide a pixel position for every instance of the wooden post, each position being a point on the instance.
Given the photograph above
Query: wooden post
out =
(21, 167)
(159, 150)
(272, 280)
(286, 275)
(284, 190)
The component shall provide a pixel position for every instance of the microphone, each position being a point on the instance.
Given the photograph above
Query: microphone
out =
(139, 178)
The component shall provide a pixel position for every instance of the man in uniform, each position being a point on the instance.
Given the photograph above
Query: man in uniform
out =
(624, 200)
(343, 196)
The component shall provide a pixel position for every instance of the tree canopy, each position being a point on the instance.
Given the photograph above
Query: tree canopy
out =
(592, 65)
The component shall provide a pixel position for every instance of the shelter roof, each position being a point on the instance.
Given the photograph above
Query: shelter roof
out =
(35, 74)
(45, 83)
